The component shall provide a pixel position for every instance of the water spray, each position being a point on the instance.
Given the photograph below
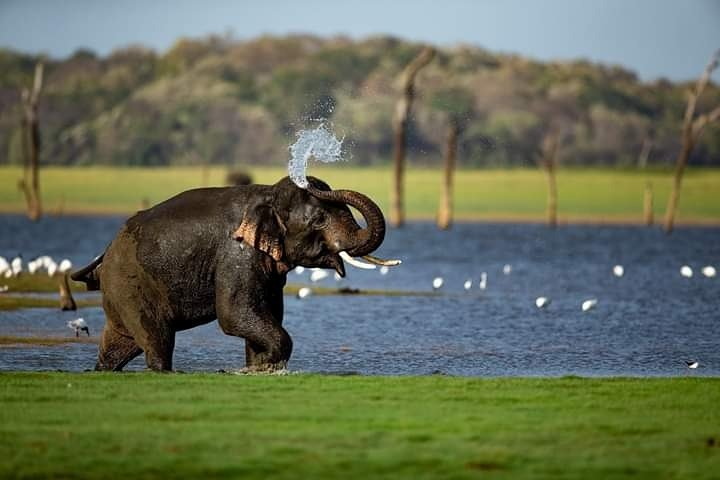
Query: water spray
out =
(319, 143)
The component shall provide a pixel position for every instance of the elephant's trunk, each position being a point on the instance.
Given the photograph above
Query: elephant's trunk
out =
(367, 239)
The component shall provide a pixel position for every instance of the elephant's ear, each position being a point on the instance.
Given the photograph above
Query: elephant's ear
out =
(263, 229)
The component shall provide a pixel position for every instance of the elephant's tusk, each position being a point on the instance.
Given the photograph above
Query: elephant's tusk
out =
(355, 262)
(382, 261)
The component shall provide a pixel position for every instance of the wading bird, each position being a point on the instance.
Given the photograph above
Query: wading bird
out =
(709, 271)
(64, 266)
(589, 304)
(483, 281)
(468, 284)
(437, 282)
(304, 292)
(79, 324)
(542, 302)
(16, 265)
(618, 270)
(686, 271)
(318, 274)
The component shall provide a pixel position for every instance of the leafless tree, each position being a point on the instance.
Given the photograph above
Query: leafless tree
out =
(692, 130)
(30, 183)
(548, 160)
(648, 215)
(444, 218)
(400, 123)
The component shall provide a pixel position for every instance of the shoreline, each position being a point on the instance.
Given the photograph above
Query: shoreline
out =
(489, 218)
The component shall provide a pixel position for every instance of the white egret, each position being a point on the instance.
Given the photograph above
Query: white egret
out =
(4, 265)
(618, 270)
(52, 268)
(468, 284)
(507, 269)
(318, 274)
(437, 282)
(384, 270)
(483, 281)
(686, 271)
(709, 271)
(65, 266)
(79, 325)
(589, 304)
(16, 265)
(299, 269)
(33, 267)
(304, 292)
(542, 302)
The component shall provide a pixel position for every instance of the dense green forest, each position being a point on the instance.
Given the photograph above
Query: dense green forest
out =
(218, 100)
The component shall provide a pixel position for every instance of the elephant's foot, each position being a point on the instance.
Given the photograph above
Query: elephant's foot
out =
(279, 368)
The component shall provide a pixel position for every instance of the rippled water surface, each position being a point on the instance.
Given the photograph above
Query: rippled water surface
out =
(646, 323)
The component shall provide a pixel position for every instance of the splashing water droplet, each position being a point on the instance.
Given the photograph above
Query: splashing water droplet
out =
(320, 144)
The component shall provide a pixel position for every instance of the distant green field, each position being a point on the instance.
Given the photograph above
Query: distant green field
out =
(593, 195)
(62, 425)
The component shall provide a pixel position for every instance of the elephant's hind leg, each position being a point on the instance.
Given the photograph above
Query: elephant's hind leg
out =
(116, 350)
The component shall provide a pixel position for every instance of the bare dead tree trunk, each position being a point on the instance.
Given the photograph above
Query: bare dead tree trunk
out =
(30, 184)
(691, 132)
(648, 216)
(400, 121)
(66, 299)
(644, 153)
(445, 208)
(549, 162)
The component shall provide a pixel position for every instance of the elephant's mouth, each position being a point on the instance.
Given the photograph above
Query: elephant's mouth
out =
(337, 261)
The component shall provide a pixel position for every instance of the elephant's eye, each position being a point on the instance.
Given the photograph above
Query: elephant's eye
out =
(320, 222)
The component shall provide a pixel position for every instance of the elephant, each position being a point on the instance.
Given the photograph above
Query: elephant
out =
(223, 253)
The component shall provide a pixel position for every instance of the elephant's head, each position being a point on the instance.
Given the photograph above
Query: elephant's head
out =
(313, 227)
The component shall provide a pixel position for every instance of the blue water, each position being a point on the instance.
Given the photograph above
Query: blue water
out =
(646, 323)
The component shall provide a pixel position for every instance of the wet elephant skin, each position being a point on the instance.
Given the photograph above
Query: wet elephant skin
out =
(221, 253)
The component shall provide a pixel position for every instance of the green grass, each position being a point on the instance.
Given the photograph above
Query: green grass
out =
(597, 195)
(63, 425)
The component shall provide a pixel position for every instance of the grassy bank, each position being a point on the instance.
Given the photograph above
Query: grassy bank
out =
(308, 426)
(587, 195)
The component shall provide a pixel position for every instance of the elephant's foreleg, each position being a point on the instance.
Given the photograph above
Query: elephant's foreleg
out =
(115, 350)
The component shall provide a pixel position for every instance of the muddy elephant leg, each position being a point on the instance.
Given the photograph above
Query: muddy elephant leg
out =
(115, 350)
(268, 345)
(159, 351)
(251, 353)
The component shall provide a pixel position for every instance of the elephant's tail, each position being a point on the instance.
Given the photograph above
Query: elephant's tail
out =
(90, 274)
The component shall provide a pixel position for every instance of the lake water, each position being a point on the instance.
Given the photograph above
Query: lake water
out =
(646, 323)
